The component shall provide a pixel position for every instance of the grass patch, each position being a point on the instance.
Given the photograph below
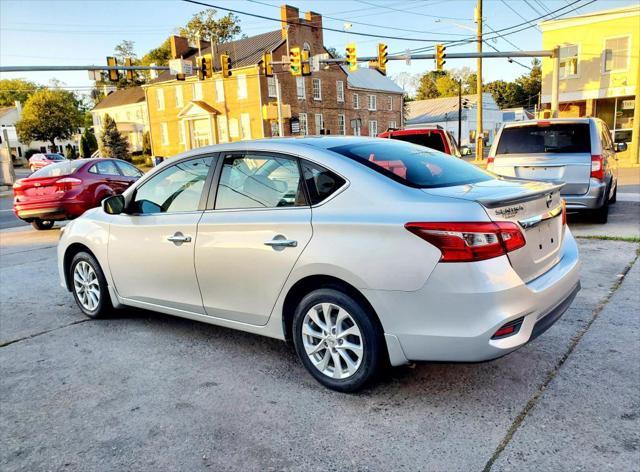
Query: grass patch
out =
(627, 239)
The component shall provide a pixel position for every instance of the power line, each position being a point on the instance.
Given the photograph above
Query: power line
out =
(413, 12)
(517, 12)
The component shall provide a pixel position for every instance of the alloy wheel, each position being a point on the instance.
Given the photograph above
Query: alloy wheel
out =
(332, 340)
(86, 285)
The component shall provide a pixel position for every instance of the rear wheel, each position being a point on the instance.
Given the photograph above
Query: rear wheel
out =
(89, 286)
(601, 215)
(337, 340)
(42, 224)
(614, 197)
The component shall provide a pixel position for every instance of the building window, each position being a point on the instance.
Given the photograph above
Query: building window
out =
(271, 87)
(219, 90)
(317, 90)
(164, 134)
(341, 125)
(373, 128)
(390, 103)
(234, 129)
(357, 126)
(242, 87)
(319, 123)
(616, 54)
(393, 125)
(356, 101)
(181, 132)
(300, 87)
(275, 130)
(304, 126)
(245, 126)
(223, 131)
(197, 90)
(179, 98)
(373, 103)
(340, 91)
(568, 61)
(160, 99)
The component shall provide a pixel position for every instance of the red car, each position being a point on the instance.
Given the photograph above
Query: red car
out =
(42, 159)
(432, 137)
(66, 190)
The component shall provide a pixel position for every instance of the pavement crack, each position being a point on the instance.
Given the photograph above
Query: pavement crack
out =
(575, 340)
(35, 335)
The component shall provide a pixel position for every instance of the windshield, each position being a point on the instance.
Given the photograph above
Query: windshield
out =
(56, 170)
(413, 165)
(55, 157)
(561, 138)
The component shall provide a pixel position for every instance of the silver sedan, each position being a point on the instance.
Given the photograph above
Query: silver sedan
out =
(363, 252)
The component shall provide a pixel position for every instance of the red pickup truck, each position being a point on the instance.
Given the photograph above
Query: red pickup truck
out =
(433, 137)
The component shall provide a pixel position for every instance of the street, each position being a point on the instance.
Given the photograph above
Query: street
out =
(144, 391)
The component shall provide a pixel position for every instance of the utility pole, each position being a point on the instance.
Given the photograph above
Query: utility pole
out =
(479, 130)
(460, 112)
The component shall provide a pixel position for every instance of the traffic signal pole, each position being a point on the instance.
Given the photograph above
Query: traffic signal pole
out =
(479, 127)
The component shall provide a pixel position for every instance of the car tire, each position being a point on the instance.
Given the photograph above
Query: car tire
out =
(601, 215)
(89, 286)
(614, 197)
(42, 225)
(327, 323)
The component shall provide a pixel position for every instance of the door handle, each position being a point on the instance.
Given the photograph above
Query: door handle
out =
(179, 238)
(281, 243)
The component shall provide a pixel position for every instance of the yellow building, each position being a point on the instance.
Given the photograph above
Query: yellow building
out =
(599, 68)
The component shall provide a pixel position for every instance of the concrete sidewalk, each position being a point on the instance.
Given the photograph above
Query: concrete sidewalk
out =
(589, 414)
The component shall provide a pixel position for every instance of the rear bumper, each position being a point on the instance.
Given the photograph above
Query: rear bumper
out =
(53, 210)
(592, 200)
(454, 316)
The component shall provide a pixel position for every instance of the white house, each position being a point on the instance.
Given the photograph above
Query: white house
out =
(9, 116)
(128, 109)
(444, 112)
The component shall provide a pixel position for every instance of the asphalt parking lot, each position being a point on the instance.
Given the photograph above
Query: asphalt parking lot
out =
(144, 391)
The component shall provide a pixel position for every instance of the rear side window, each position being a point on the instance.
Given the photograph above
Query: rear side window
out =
(128, 170)
(321, 182)
(62, 168)
(560, 138)
(413, 165)
(431, 140)
(104, 168)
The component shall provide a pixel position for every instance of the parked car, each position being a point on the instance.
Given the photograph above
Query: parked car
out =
(362, 251)
(576, 151)
(42, 159)
(67, 189)
(432, 137)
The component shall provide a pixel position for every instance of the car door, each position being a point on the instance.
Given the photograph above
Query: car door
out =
(151, 246)
(250, 240)
(130, 173)
(110, 175)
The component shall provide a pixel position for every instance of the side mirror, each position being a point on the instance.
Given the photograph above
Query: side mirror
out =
(113, 205)
(620, 147)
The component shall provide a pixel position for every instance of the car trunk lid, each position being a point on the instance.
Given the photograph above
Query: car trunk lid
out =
(535, 206)
(36, 188)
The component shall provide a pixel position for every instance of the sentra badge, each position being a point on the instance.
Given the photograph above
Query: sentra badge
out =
(508, 212)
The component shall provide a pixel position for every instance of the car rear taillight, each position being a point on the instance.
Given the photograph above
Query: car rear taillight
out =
(508, 329)
(67, 183)
(597, 167)
(467, 242)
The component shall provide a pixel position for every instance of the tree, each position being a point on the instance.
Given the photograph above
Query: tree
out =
(146, 143)
(408, 82)
(12, 90)
(159, 56)
(70, 152)
(125, 49)
(427, 86)
(112, 143)
(205, 26)
(88, 143)
(333, 52)
(49, 115)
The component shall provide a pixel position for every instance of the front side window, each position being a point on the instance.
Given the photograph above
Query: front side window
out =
(104, 168)
(128, 170)
(413, 165)
(616, 54)
(259, 181)
(321, 183)
(568, 61)
(177, 188)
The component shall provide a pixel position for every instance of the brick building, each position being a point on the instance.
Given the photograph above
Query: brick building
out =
(193, 113)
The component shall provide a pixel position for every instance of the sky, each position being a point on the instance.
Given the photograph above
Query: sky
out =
(78, 32)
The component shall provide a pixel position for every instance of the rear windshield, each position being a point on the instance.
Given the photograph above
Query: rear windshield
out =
(55, 157)
(413, 165)
(536, 139)
(56, 170)
(431, 140)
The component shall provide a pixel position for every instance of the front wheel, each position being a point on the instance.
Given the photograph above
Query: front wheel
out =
(89, 286)
(42, 224)
(337, 340)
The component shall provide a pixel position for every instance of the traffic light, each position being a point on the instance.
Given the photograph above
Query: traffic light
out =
(128, 73)
(383, 58)
(113, 73)
(306, 62)
(225, 64)
(440, 55)
(352, 59)
(204, 66)
(295, 61)
(267, 64)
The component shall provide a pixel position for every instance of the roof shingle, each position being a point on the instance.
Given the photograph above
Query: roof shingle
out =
(120, 97)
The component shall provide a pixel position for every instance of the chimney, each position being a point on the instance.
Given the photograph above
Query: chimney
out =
(314, 19)
(289, 16)
(179, 47)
